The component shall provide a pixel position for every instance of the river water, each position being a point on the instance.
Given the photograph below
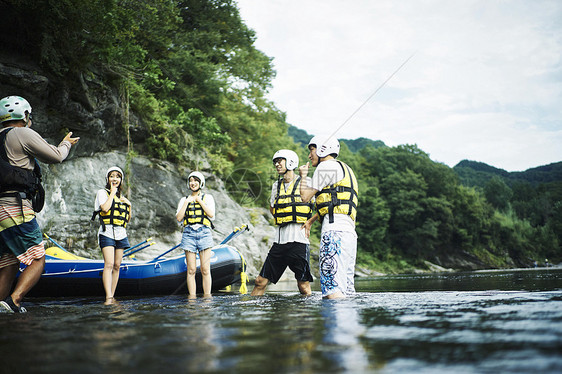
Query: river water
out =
(477, 322)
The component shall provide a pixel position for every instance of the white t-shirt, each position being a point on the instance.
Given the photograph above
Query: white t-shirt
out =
(209, 202)
(292, 232)
(329, 172)
(111, 231)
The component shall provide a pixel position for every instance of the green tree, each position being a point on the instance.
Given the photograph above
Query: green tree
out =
(372, 221)
(498, 193)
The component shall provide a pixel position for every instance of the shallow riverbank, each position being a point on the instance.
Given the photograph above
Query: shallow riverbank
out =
(471, 322)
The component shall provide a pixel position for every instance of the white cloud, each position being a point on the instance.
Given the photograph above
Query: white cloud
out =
(485, 82)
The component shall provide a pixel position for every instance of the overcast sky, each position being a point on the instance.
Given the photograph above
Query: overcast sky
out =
(484, 81)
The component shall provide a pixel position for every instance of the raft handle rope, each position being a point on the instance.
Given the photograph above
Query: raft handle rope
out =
(235, 233)
(73, 271)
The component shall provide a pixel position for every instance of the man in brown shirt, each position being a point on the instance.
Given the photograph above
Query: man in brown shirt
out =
(21, 239)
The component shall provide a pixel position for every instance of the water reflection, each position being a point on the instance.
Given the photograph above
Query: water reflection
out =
(283, 327)
(466, 331)
(507, 280)
(422, 330)
(341, 344)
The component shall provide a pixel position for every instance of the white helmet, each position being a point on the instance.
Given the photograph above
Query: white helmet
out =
(291, 158)
(114, 168)
(325, 145)
(13, 108)
(199, 176)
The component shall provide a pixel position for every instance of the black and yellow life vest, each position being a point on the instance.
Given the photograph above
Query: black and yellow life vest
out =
(22, 183)
(340, 197)
(288, 206)
(118, 215)
(194, 214)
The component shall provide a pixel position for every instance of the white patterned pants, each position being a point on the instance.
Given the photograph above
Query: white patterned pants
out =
(338, 250)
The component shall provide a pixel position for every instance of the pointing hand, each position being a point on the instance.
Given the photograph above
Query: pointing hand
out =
(303, 170)
(68, 138)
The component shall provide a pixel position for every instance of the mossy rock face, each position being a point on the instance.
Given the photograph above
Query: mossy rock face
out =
(95, 111)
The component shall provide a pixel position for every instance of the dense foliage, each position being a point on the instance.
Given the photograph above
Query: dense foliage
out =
(413, 209)
(430, 215)
(189, 69)
(533, 196)
(192, 75)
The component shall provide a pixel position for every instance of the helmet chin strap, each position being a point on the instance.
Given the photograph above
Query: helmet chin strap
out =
(285, 173)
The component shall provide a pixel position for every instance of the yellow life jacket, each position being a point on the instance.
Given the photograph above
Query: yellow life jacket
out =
(194, 213)
(288, 206)
(117, 215)
(340, 197)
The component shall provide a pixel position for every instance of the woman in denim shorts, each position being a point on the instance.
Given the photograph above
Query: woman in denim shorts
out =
(196, 211)
(114, 210)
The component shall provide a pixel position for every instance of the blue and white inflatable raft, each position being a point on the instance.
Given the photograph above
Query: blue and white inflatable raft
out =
(68, 275)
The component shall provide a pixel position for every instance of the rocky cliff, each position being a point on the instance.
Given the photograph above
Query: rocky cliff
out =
(94, 111)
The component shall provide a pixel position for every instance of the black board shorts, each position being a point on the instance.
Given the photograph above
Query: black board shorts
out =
(294, 255)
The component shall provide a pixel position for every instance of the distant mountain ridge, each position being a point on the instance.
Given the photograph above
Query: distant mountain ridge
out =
(474, 173)
(471, 173)
(354, 145)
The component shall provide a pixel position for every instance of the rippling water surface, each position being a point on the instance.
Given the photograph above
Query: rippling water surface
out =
(489, 322)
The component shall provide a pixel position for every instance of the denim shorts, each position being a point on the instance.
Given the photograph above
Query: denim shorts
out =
(196, 240)
(106, 241)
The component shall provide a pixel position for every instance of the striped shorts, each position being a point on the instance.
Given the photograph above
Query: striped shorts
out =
(21, 239)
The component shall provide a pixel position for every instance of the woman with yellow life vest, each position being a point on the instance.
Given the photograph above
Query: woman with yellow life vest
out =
(197, 211)
(114, 210)
(335, 187)
(292, 220)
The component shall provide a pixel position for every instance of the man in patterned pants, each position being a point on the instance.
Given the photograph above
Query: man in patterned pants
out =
(335, 187)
